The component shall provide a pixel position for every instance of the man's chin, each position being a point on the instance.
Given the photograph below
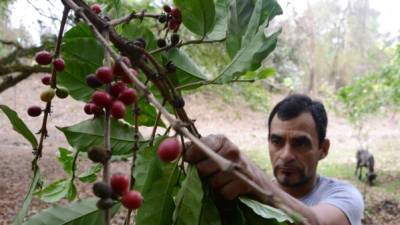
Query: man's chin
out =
(290, 180)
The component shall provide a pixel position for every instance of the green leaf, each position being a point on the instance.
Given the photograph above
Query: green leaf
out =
(239, 14)
(71, 194)
(79, 61)
(147, 115)
(264, 9)
(249, 57)
(57, 191)
(197, 15)
(88, 133)
(66, 159)
(265, 211)
(135, 30)
(19, 219)
(19, 125)
(79, 212)
(90, 175)
(158, 205)
(189, 199)
(144, 159)
(209, 212)
(188, 71)
(221, 22)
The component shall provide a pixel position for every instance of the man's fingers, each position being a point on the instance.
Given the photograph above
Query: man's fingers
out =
(207, 167)
(194, 154)
(233, 189)
(220, 179)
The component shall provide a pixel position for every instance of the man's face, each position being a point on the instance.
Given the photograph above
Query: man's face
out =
(294, 149)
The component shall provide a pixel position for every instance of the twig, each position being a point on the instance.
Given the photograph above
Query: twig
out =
(135, 149)
(13, 43)
(107, 137)
(191, 42)
(131, 16)
(43, 130)
(205, 82)
(153, 133)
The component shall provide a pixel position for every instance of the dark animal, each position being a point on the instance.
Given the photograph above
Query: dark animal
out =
(365, 159)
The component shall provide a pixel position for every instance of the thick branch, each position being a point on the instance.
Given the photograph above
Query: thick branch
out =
(11, 81)
(23, 69)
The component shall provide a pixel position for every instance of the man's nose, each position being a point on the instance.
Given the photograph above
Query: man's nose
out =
(287, 154)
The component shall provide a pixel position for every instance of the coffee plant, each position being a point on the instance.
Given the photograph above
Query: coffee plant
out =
(131, 72)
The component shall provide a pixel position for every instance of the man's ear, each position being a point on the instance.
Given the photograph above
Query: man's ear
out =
(324, 149)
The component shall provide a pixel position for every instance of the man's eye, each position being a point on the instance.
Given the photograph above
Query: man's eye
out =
(302, 143)
(276, 141)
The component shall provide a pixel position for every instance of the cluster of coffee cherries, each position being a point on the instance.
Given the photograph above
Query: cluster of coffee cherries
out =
(173, 19)
(117, 190)
(45, 58)
(117, 94)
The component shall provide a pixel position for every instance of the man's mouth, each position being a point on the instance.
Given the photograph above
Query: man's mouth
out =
(288, 169)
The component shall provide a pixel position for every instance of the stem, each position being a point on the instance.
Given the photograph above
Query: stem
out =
(74, 169)
(135, 149)
(153, 133)
(106, 165)
(191, 42)
(131, 16)
(107, 131)
(205, 82)
(43, 130)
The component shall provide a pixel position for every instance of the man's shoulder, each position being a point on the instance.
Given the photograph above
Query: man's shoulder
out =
(330, 188)
(341, 194)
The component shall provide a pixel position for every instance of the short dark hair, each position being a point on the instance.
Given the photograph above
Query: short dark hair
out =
(293, 105)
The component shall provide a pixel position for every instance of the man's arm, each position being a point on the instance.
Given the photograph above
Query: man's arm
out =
(230, 187)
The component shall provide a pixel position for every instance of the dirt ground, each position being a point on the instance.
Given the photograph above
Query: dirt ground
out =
(244, 127)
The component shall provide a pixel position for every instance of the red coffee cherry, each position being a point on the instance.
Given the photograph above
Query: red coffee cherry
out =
(59, 64)
(43, 58)
(117, 88)
(128, 96)
(34, 111)
(96, 8)
(132, 200)
(101, 99)
(176, 14)
(87, 108)
(96, 110)
(46, 80)
(117, 109)
(119, 183)
(104, 74)
(169, 149)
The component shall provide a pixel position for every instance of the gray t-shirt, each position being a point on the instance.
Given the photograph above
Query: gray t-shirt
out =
(341, 194)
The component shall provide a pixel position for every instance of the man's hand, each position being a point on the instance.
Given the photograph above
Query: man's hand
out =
(227, 184)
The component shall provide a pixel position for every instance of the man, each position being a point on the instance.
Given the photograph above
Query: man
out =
(297, 142)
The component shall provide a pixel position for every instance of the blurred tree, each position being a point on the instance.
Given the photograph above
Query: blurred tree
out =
(328, 44)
